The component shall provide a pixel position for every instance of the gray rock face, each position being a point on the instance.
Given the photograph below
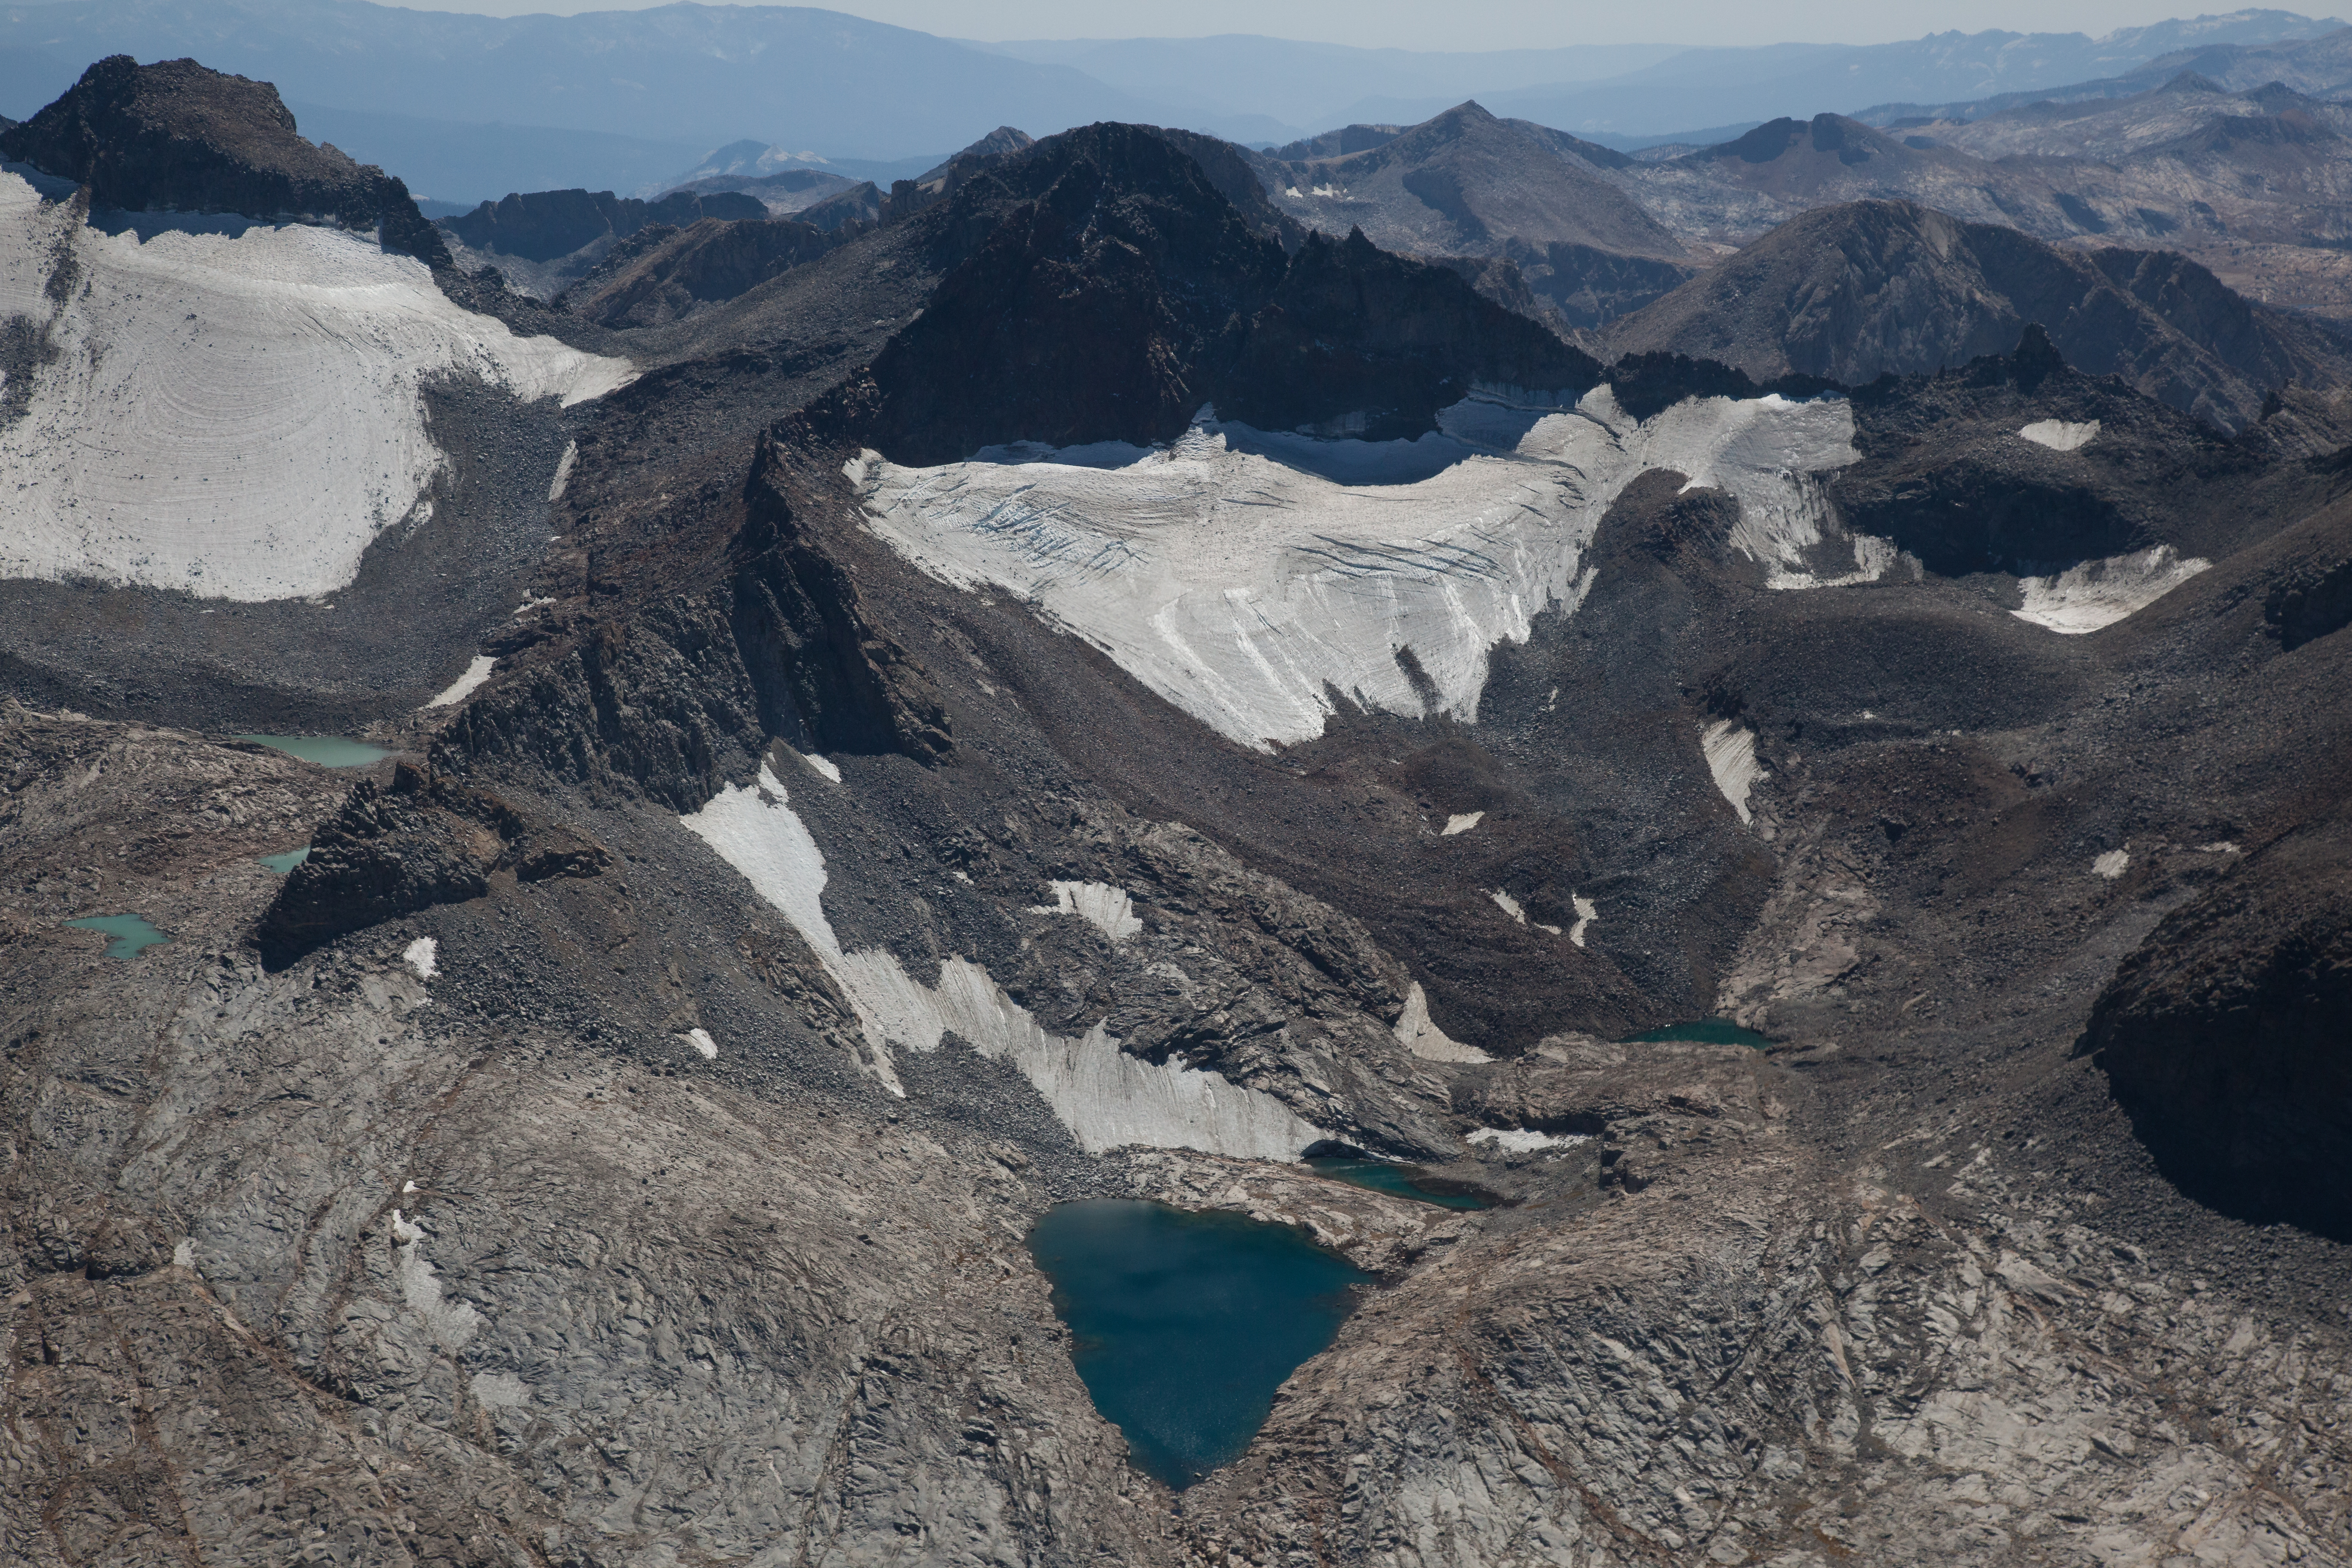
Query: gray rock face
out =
(1855, 292)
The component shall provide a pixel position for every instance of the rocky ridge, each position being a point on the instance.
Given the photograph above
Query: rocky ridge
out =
(179, 138)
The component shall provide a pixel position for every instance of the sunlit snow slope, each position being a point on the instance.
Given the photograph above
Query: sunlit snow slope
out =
(1239, 572)
(235, 415)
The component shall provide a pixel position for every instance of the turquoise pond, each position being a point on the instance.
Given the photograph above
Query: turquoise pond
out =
(1403, 1182)
(132, 935)
(1706, 1031)
(327, 751)
(1183, 1325)
(282, 864)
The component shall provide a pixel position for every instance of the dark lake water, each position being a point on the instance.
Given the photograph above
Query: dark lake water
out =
(1405, 1181)
(282, 864)
(131, 934)
(1707, 1031)
(1183, 1325)
(327, 751)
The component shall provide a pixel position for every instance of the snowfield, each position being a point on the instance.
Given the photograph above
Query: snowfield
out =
(233, 413)
(1239, 572)
(1105, 1098)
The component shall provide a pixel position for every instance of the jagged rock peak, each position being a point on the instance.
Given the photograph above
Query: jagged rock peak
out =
(177, 136)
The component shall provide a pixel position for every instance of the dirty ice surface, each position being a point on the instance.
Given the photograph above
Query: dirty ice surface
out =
(1105, 1096)
(1239, 572)
(233, 415)
(1731, 757)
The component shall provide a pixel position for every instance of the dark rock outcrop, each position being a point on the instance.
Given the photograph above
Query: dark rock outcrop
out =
(177, 137)
(2225, 1037)
(389, 852)
(1107, 290)
(1855, 291)
(540, 225)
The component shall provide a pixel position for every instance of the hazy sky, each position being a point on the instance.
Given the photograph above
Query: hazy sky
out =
(1464, 23)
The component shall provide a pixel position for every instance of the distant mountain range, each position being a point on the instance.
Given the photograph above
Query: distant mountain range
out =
(629, 100)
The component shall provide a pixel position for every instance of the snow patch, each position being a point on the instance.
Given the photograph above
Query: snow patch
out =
(1507, 904)
(1244, 575)
(2111, 865)
(1732, 758)
(1105, 1096)
(701, 1041)
(1585, 911)
(1107, 909)
(2220, 846)
(1461, 822)
(451, 1326)
(2059, 435)
(564, 470)
(236, 415)
(1424, 1039)
(2095, 594)
(1520, 1141)
(184, 1255)
(422, 956)
(465, 685)
(824, 766)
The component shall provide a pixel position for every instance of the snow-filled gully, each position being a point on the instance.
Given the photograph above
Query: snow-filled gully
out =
(1105, 1096)
(1239, 574)
(238, 415)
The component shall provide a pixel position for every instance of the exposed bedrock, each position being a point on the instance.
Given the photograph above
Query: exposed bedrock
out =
(1854, 291)
(176, 137)
(688, 688)
(540, 225)
(661, 273)
(424, 840)
(2228, 1035)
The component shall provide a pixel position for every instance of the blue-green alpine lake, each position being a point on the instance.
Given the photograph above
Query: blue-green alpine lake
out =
(1183, 1324)
(131, 934)
(282, 864)
(1403, 1182)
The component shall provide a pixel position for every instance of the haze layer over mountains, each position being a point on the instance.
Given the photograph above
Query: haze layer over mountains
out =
(1725, 766)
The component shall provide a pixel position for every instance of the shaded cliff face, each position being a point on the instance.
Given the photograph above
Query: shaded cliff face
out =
(2225, 1035)
(177, 137)
(1854, 293)
(1111, 290)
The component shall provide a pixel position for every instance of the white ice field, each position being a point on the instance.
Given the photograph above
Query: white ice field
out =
(235, 415)
(1237, 572)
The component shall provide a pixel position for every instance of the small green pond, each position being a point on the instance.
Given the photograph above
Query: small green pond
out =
(1403, 1182)
(1706, 1031)
(282, 864)
(1183, 1325)
(132, 935)
(327, 751)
